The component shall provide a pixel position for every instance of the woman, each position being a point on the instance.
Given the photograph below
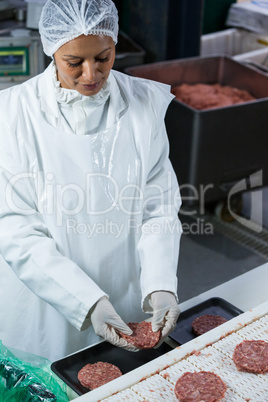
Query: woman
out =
(89, 229)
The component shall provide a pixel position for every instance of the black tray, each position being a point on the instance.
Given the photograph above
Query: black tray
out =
(68, 367)
(216, 306)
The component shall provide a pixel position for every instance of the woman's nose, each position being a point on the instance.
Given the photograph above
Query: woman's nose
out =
(89, 71)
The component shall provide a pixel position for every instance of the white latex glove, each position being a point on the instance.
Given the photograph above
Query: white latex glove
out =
(165, 313)
(106, 321)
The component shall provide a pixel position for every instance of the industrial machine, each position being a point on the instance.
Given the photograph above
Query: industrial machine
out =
(21, 53)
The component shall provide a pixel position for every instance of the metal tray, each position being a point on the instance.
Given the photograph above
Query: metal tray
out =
(216, 306)
(68, 367)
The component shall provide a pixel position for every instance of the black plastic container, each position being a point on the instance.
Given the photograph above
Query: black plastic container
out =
(211, 150)
(128, 53)
(215, 306)
(68, 367)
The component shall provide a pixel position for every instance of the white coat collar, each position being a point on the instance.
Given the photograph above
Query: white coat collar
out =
(49, 105)
(46, 93)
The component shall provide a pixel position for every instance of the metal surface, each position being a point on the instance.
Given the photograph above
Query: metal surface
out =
(211, 150)
(255, 241)
(34, 9)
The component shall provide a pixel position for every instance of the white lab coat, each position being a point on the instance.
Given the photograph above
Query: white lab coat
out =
(82, 216)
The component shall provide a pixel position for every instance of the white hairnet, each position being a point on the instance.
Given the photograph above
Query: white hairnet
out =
(64, 20)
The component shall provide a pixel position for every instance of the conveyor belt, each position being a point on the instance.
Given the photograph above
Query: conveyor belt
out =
(217, 358)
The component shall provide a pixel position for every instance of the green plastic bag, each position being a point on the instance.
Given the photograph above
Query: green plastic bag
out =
(27, 378)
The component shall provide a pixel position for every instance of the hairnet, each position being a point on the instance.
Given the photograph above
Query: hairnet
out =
(64, 20)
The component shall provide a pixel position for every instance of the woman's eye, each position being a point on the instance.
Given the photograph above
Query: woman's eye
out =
(102, 60)
(73, 65)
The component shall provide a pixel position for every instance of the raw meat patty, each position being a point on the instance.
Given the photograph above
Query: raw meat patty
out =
(143, 337)
(209, 96)
(251, 356)
(200, 386)
(206, 322)
(94, 375)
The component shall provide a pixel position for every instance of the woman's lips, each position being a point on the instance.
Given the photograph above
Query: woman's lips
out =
(91, 86)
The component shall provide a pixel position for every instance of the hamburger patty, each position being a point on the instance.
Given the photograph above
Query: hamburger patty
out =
(97, 374)
(143, 336)
(200, 386)
(251, 356)
(206, 322)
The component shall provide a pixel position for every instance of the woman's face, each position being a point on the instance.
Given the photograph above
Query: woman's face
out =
(85, 62)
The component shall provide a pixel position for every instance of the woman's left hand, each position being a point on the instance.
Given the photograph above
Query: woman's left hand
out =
(165, 313)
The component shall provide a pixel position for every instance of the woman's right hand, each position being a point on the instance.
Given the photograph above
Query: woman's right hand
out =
(106, 322)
